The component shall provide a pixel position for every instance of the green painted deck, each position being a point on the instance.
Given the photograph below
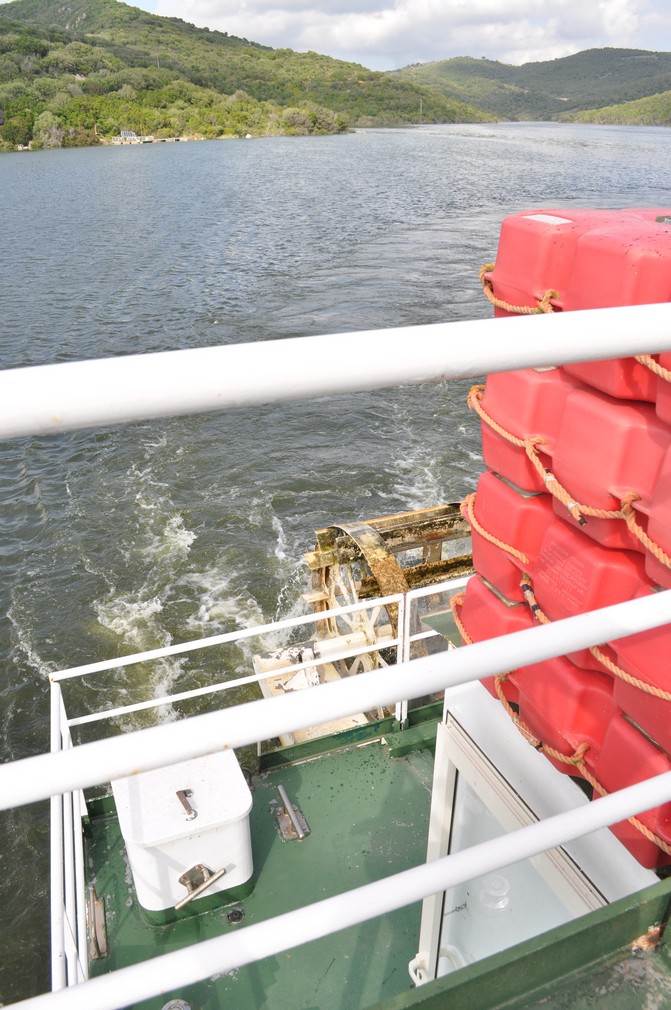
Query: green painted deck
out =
(367, 805)
(368, 817)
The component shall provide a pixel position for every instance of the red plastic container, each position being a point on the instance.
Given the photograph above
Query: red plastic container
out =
(646, 656)
(659, 524)
(485, 615)
(627, 757)
(517, 518)
(607, 433)
(566, 707)
(552, 689)
(592, 259)
(536, 252)
(574, 574)
(625, 378)
(627, 262)
(663, 398)
(524, 403)
(604, 449)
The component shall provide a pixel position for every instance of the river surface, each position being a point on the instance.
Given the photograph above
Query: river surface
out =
(136, 537)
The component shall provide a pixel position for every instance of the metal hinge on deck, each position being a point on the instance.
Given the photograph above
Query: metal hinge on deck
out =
(289, 818)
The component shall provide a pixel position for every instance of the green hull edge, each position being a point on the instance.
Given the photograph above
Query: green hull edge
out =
(562, 961)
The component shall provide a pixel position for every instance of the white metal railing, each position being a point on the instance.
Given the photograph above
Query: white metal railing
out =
(68, 890)
(81, 394)
(128, 986)
(402, 642)
(69, 959)
(69, 955)
(64, 397)
(35, 778)
(352, 651)
(69, 950)
(132, 984)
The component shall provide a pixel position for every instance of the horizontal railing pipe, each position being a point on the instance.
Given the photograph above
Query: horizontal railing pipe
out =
(230, 685)
(36, 778)
(170, 973)
(63, 397)
(226, 638)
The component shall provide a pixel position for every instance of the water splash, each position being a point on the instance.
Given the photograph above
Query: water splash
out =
(218, 606)
(134, 620)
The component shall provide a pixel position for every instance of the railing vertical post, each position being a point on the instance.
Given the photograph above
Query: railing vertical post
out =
(80, 883)
(69, 890)
(58, 968)
(403, 650)
(75, 884)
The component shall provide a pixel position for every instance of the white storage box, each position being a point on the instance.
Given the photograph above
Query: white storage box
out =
(166, 836)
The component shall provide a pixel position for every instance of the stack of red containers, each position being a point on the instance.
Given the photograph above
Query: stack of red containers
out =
(599, 432)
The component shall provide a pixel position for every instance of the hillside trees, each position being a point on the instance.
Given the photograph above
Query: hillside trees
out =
(655, 110)
(76, 93)
(552, 88)
(17, 129)
(98, 66)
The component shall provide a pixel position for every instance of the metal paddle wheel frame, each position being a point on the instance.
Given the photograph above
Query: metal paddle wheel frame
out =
(381, 557)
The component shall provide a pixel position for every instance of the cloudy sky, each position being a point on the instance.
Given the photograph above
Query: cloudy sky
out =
(386, 34)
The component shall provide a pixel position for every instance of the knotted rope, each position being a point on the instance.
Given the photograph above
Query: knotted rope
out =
(543, 303)
(595, 650)
(578, 510)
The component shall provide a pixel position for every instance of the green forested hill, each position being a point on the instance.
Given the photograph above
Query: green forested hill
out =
(80, 71)
(76, 71)
(547, 90)
(652, 111)
(485, 83)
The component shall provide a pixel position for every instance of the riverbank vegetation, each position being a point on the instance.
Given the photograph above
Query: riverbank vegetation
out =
(652, 111)
(82, 73)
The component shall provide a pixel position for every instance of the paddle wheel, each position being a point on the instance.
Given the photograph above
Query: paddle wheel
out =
(380, 557)
(359, 561)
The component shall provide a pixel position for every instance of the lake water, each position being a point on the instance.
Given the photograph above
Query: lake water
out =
(131, 538)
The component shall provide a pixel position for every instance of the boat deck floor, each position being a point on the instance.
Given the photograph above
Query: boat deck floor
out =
(368, 817)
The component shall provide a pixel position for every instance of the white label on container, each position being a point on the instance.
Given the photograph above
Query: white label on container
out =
(547, 219)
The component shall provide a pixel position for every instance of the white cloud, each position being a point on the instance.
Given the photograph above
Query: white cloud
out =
(391, 33)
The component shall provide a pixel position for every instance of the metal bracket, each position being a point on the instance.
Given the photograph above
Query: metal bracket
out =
(182, 796)
(290, 820)
(196, 880)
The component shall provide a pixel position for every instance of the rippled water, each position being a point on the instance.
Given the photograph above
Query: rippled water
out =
(130, 538)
